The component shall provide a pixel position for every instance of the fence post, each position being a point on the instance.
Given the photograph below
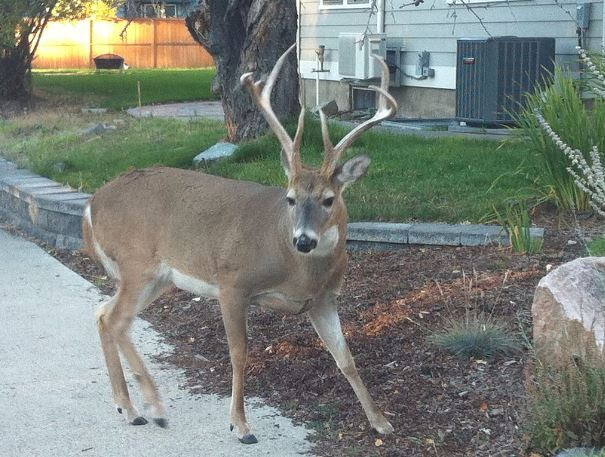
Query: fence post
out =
(90, 42)
(155, 43)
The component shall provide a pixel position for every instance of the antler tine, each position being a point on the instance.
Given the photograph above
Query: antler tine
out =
(299, 130)
(261, 93)
(387, 107)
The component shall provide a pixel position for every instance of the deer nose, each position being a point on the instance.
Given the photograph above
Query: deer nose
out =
(305, 244)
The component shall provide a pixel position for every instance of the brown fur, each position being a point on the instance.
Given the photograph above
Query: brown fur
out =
(237, 241)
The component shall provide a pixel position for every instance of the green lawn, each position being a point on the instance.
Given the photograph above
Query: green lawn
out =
(52, 144)
(118, 89)
(411, 178)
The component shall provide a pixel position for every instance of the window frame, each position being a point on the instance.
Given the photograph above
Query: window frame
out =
(176, 10)
(346, 6)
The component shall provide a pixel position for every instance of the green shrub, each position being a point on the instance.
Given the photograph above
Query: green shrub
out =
(567, 405)
(562, 106)
(475, 335)
(517, 222)
(596, 247)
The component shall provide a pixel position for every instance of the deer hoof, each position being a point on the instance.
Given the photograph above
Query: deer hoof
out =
(384, 428)
(161, 422)
(231, 427)
(248, 439)
(119, 409)
(139, 421)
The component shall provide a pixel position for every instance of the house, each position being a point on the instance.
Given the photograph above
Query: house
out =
(421, 44)
(160, 9)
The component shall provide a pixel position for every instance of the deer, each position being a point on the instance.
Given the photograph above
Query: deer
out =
(239, 242)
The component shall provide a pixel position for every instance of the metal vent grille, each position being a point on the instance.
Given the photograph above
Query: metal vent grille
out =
(493, 76)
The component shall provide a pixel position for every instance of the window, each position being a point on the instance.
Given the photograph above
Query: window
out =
(161, 10)
(335, 4)
(169, 10)
(149, 11)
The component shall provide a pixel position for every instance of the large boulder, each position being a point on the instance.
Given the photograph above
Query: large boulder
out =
(569, 310)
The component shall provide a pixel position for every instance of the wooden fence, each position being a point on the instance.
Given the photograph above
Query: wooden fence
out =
(146, 43)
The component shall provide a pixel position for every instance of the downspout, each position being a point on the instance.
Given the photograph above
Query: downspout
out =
(380, 16)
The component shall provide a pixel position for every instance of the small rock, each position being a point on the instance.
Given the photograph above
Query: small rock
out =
(329, 108)
(220, 150)
(97, 129)
(571, 242)
(59, 167)
(497, 412)
(94, 110)
(580, 452)
(94, 129)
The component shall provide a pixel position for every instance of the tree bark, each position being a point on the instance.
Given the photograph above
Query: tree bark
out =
(248, 36)
(24, 23)
(15, 73)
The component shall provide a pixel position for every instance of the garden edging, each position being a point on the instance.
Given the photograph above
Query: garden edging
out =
(53, 212)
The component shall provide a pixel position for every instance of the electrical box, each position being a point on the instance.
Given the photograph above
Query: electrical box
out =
(493, 76)
(355, 55)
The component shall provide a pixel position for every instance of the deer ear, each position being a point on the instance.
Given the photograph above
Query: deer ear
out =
(352, 170)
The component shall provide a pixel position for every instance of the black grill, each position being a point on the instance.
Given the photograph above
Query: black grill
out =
(494, 74)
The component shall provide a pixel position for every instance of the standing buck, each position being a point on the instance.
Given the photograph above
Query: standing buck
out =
(239, 242)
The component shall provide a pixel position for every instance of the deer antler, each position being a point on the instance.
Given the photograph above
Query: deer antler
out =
(261, 93)
(387, 107)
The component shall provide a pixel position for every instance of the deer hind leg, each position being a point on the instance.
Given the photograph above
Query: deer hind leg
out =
(326, 322)
(234, 318)
(114, 320)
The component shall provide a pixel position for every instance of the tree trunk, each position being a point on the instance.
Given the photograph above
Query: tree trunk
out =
(248, 36)
(15, 73)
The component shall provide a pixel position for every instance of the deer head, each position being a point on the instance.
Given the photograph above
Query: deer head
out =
(314, 195)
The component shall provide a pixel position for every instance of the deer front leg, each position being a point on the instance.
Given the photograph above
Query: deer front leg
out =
(326, 322)
(234, 318)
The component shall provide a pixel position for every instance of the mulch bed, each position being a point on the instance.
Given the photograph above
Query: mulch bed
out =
(439, 404)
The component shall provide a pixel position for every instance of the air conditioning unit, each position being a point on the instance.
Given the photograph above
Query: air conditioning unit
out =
(493, 76)
(355, 55)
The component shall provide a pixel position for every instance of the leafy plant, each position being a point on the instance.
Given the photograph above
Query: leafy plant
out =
(517, 222)
(476, 335)
(567, 405)
(596, 247)
(561, 105)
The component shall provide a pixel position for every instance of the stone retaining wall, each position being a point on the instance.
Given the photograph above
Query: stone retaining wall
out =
(53, 212)
(41, 207)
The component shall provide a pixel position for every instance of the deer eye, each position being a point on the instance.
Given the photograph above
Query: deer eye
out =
(328, 202)
(290, 201)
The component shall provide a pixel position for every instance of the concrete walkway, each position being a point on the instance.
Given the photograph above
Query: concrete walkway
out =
(190, 110)
(55, 395)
